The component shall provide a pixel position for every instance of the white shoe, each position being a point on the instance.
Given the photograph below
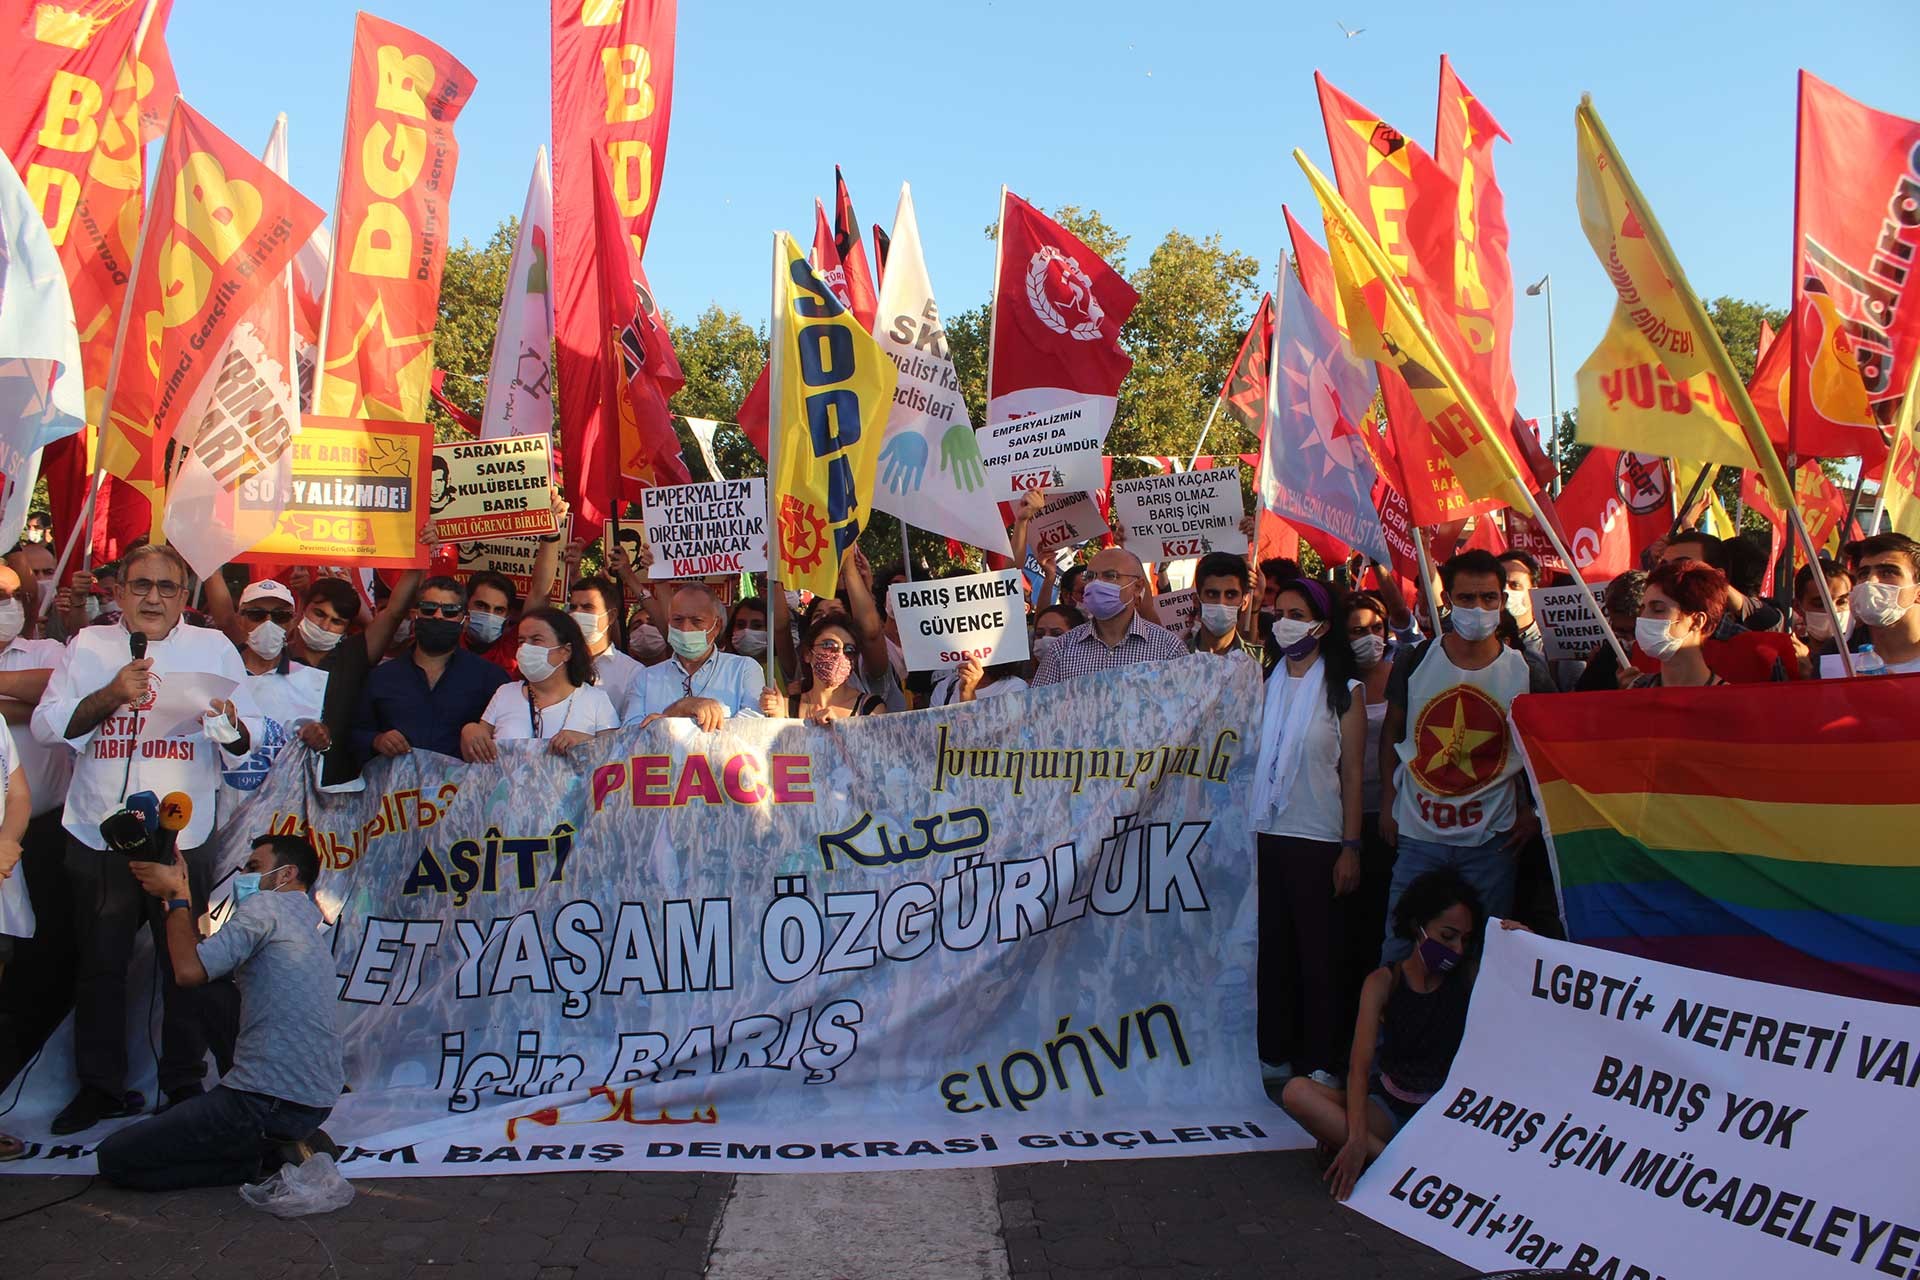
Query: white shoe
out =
(1324, 1078)
(1271, 1071)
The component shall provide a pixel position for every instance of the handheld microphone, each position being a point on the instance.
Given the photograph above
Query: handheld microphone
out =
(126, 834)
(147, 805)
(176, 811)
(137, 642)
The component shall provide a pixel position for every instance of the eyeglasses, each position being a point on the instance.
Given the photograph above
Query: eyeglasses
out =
(441, 610)
(831, 647)
(165, 588)
(280, 616)
(1114, 575)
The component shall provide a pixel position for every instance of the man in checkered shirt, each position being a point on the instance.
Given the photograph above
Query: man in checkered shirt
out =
(1116, 636)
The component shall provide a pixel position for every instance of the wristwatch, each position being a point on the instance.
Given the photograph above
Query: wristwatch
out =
(179, 904)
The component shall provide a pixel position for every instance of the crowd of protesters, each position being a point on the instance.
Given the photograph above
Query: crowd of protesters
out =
(1390, 815)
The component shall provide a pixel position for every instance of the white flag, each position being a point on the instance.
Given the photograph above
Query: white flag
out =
(520, 378)
(929, 473)
(703, 432)
(43, 395)
(236, 479)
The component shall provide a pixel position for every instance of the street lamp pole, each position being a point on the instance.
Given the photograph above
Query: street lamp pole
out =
(1545, 286)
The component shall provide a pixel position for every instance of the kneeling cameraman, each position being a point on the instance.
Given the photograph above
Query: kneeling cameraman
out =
(286, 1071)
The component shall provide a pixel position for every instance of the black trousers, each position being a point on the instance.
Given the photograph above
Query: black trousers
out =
(215, 1140)
(108, 907)
(37, 989)
(1305, 1008)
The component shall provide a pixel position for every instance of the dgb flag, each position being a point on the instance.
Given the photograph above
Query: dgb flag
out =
(832, 386)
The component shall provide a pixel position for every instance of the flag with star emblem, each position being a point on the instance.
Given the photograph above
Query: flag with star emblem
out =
(390, 227)
(1314, 469)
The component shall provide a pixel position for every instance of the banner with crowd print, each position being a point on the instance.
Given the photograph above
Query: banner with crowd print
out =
(1013, 930)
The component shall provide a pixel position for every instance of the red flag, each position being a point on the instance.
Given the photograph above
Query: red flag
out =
(1823, 507)
(461, 417)
(641, 373)
(1244, 395)
(825, 258)
(863, 295)
(1856, 307)
(162, 86)
(882, 242)
(1769, 389)
(612, 103)
(1057, 313)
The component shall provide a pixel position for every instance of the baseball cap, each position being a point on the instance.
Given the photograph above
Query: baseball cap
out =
(266, 589)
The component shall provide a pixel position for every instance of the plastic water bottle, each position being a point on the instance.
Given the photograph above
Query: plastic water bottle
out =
(1868, 663)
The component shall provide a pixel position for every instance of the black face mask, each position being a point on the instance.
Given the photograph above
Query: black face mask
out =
(436, 635)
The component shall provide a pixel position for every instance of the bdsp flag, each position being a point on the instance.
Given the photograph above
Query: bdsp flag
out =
(520, 375)
(1057, 313)
(230, 490)
(612, 103)
(222, 228)
(1315, 470)
(930, 473)
(390, 229)
(832, 387)
(1856, 309)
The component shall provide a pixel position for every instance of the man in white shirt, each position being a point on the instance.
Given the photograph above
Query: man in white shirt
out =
(37, 988)
(289, 694)
(1886, 598)
(101, 704)
(699, 682)
(595, 604)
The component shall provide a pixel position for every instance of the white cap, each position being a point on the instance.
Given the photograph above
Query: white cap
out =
(266, 589)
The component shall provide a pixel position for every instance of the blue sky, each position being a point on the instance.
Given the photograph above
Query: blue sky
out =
(1159, 115)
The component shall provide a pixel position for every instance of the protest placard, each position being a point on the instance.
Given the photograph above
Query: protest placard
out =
(1178, 609)
(512, 558)
(1066, 520)
(1566, 623)
(355, 496)
(697, 530)
(944, 623)
(1187, 513)
(1058, 449)
(500, 488)
(1616, 1116)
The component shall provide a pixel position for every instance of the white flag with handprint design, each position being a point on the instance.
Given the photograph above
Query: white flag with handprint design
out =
(930, 473)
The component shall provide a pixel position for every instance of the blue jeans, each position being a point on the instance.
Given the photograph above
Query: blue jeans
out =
(1488, 867)
(215, 1139)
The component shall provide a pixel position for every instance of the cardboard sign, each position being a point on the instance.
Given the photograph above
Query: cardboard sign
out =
(492, 488)
(1067, 520)
(944, 623)
(512, 558)
(356, 496)
(1059, 449)
(1568, 625)
(1188, 513)
(700, 529)
(1179, 610)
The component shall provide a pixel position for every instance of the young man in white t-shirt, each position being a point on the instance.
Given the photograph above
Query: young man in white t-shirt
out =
(1451, 790)
(594, 603)
(1886, 596)
(100, 703)
(289, 694)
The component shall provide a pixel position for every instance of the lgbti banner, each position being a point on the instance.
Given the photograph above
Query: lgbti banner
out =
(390, 225)
(1621, 1118)
(832, 386)
(930, 471)
(612, 103)
(1767, 834)
(893, 944)
(1855, 328)
(520, 374)
(357, 495)
(222, 227)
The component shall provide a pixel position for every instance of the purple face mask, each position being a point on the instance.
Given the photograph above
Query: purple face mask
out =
(1437, 956)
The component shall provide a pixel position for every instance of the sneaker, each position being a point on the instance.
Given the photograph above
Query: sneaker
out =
(1326, 1078)
(89, 1107)
(1272, 1071)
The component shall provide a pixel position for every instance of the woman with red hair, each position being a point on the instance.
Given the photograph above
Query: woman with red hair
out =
(1683, 604)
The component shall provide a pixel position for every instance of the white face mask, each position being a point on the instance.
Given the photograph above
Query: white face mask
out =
(1219, 619)
(1656, 639)
(94, 607)
(267, 640)
(1369, 649)
(317, 637)
(1878, 603)
(1475, 624)
(486, 627)
(534, 662)
(1820, 625)
(592, 625)
(751, 641)
(648, 641)
(1288, 632)
(1519, 600)
(13, 619)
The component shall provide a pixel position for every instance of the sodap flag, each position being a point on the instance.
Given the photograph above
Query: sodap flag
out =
(831, 389)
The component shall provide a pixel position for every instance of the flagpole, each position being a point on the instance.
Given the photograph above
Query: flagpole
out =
(906, 551)
(1426, 578)
(1208, 426)
(333, 257)
(773, 448)
(1377, 260)
(1716, 353)
(1693, 495)
(993, 302)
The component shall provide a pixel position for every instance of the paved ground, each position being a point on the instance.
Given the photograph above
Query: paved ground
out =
(1225, 1216)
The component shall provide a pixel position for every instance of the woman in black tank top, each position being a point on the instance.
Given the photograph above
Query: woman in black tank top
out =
(1412, 1016)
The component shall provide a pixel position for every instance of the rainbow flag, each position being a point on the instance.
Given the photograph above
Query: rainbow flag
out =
(1763, 831)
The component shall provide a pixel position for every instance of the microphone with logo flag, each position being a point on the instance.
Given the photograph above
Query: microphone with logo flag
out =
(176, 810)
(147, 805)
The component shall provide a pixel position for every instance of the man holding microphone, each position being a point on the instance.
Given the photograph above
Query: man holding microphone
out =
(99, 704)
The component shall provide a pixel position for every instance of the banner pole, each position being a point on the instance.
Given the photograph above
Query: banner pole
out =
(1586, 591)
(993, 299)
(1820, 581)
(84, 522)
(906, 551)
(773, 450)
(1426, 579)
(1208, 426)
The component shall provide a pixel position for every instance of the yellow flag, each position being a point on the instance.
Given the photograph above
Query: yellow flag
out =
(1400, 340)
(1709, 513)
(1658, 321)
(1900, 490)
(832, 386)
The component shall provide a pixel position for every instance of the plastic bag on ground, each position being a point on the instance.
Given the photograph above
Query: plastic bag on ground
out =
(294, 1191)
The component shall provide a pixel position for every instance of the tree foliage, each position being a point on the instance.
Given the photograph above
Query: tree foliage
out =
(471, 287)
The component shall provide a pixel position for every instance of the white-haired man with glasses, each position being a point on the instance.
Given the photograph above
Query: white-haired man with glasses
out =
(1115, 635)
(699, 682)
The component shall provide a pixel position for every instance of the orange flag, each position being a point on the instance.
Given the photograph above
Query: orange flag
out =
(222, 227)
(390, 224)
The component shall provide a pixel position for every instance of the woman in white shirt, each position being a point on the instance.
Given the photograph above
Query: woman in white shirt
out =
(555, 697)
(1307, 810)
(969, 682)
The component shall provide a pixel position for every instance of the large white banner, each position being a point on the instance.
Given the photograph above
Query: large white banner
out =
(1622, 1118)
(1011, 930)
